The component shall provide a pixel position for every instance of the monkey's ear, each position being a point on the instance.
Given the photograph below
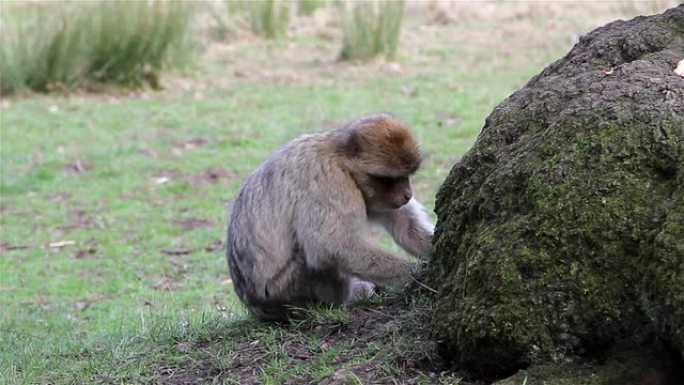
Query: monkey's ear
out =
(351, 146)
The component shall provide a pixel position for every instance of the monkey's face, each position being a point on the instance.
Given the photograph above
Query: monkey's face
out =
(385, 193)
(381, 154)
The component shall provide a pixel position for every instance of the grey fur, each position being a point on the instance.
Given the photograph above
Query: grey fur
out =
(296, 232)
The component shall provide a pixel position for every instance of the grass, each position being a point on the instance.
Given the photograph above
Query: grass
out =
(113, 208)
(269, 18)
(135, 272)
(308, 7)
(61, 46)
(371, 28)
(75, 312)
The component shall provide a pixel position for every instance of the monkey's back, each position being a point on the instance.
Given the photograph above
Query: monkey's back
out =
(264, 254)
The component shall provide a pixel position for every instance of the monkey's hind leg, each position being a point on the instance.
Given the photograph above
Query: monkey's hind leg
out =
(342, 290)
(358, 290)
(329, 288)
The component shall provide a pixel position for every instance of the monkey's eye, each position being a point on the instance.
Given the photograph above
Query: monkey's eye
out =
(386, 180)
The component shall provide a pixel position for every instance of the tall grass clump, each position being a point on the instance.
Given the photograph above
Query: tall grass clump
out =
(371, 28)
(55, 45)
(133, 40)
(308, 7)
(39, 47)
(269, 18)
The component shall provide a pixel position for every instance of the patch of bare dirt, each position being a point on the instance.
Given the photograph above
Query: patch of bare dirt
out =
(6, 246)
(148, 153)
(87, 252)
(211, 247)
(190, 224)
(178, 149)
(80, 218)
(178, 251)
(77, 218)
(212, 175)
(172, 376)
(83, 304)
(193, 143)
(374, 325)
(216, 245)
(165, 283)
(59, 197)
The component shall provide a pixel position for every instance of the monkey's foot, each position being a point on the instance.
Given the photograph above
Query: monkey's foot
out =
(359, 290)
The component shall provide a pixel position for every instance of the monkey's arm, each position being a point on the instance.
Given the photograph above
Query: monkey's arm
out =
(410, 228)
(374, 264)
(335, 241)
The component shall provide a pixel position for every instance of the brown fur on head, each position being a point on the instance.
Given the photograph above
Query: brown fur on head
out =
(380, 153)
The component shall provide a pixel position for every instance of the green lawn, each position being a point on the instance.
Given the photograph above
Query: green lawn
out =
(137, 188)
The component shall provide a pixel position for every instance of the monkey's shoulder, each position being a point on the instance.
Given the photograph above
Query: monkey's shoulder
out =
(298, 159)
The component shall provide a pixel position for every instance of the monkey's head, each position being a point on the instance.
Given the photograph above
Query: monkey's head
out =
(380, 153)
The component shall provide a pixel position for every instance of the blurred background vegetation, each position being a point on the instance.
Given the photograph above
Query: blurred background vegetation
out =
(55, 45)
(63, 45)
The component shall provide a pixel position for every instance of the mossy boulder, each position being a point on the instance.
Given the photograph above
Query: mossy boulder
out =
(562, 230)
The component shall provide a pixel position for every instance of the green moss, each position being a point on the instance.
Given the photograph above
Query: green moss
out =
(663, 284)
(571, 194)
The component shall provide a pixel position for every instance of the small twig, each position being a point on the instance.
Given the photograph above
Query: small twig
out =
(376, 311)
(424, 285)
(59, 244)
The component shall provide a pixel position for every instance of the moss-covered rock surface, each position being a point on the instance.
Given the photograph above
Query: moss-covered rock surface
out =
(562, 230)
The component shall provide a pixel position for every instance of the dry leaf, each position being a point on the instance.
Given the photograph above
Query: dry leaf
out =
(212, 175)
(193, 223)
(181, 251)
(148, 153)
(84, 252)
(59, 197)
(214, 246)
(195, 142)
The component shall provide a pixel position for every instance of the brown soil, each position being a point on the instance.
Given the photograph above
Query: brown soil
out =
(372, 325)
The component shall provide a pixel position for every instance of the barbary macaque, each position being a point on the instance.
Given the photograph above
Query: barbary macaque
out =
(298, 226)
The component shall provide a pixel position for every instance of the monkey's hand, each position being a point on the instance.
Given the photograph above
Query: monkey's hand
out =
(410, 228)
